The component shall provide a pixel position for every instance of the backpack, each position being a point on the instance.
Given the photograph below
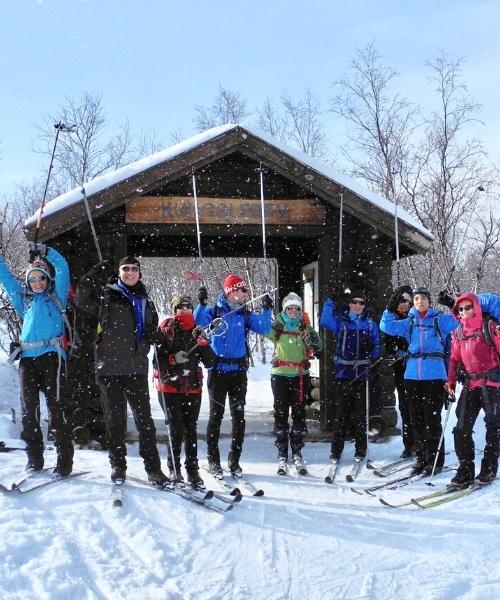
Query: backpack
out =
(484, 332)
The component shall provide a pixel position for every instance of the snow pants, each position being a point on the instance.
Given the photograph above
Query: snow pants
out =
(350, 404)
(404, 406)
(468, 407)
(234, 385)
(115, 392)
(45, 374)
(426, 398)
(182, 416)
(287, 398)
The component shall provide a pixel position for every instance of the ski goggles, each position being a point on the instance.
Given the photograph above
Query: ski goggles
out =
(37, 278)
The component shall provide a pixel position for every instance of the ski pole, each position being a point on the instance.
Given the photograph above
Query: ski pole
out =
(59, 127)
(263, 212)
(166, 412)
(367, 407)
(441, 440)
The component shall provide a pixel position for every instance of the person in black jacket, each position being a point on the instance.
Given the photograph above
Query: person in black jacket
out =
(127, 326)
(179, 380)
(396, 347)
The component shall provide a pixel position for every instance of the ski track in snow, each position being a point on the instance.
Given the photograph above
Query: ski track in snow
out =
(304, 540)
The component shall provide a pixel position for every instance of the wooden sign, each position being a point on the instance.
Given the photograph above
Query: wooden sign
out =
(237, 211)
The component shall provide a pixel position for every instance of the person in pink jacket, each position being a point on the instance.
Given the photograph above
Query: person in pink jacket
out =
(476, 348)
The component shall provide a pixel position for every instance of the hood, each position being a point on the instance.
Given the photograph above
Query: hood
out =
(472, 323)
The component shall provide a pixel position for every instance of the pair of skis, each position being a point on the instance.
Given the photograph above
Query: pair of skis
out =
(234, 484)
(205, 498)
(22, 486)
(357, 465)
(394, 484)
(442, 496)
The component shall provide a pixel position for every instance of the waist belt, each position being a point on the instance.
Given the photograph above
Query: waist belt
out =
(288, 363)
(55, 341)
(426, 355)
(355, 363)
(241, 362)
(487, 375)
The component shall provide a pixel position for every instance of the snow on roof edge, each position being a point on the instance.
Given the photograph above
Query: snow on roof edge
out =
(109, 179)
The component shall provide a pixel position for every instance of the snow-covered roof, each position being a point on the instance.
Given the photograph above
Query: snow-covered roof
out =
(124, 173)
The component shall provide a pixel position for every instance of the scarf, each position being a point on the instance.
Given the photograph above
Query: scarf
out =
(138, 314)
(292, 324)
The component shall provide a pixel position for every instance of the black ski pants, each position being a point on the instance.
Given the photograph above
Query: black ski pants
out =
(468, 407)
(182, 417)
(286, 394)
(220, 385)
(45, 374)
(404, 406)
(115, 393)
(426, 398)
(350, 406)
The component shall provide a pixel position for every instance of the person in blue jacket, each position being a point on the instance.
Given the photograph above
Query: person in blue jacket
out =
(357, 344)
(40, 304)
(427, 331)
(228, 377)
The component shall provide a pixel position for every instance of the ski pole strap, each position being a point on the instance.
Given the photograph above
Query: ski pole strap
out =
(426, 355)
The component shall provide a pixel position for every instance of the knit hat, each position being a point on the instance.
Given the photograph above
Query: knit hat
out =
(423, 291)
(179, 299)
(292, 299)
(129, 260)
(233, 283)
(40, 266)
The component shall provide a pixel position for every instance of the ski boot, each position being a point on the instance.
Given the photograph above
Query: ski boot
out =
(282, 465)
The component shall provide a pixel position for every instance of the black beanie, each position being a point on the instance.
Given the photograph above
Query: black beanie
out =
(423, 291)
(129, 260)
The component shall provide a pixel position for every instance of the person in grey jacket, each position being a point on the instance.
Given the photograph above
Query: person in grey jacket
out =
(127, 326)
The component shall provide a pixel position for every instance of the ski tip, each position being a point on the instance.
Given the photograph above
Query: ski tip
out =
(259, 493)
(349, 479)
(328, 479)
(235, 492)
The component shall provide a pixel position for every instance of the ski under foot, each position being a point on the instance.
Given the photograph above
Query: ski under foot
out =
(117, 493)
(205, 499)
(356, 468)
(332, 471)
(39, 482)
(447, 495)
(233, 493)
(246, 485)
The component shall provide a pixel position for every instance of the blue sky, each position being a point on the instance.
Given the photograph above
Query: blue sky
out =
(154, 60)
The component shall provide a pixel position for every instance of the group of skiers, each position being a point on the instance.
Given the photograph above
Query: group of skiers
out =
(126, 326)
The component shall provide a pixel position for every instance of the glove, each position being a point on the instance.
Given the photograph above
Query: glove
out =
(179, 358)
(203, 295)
(445, 299)
(267, 302)
(397, 297)
(36, 250)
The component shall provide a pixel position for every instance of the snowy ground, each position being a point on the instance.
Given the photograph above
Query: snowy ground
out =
(303, 540)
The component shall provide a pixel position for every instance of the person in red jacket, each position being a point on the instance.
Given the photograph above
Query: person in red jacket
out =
(179, 381)
(476, 347)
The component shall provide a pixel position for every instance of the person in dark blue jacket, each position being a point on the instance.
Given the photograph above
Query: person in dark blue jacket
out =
(427, 332)
(40, 304)
(228, 377)
(357, 345)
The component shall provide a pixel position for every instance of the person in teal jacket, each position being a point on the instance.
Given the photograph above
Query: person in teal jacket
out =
(427, 331)
(40, 304)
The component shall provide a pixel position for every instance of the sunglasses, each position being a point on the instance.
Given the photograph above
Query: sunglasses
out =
(127, 269)
(242, 290)
(39, 278)
(295, 308)
(360, 302)
(463, 308)
(185, 305)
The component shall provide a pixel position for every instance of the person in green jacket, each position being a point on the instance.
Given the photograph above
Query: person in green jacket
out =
(295, 343)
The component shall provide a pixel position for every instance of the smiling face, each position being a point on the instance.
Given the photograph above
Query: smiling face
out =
(240, 296)
(38, 281)
(129, 274)
(465, 309)
(357, 305)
